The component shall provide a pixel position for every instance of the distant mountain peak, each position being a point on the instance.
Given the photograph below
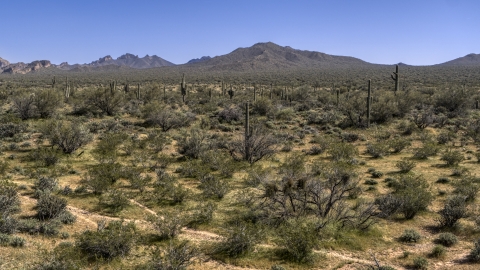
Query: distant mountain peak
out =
(198, 60)
(471, 59)
(128, 56)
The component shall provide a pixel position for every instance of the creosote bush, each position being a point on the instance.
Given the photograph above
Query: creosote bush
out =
(447, 239)
(409, 236)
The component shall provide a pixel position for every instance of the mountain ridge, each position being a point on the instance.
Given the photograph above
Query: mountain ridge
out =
(261, 56)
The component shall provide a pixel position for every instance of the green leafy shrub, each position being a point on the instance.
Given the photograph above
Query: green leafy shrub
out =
(454, 209)
(68, 136)
(467, 187)
(297, 239)
(168, 225)
(114, 199)
(427, 150)
(447, 239)
(398, 144)
(420, 263)
(17, 241)
(114, 240)
(412, 191)
(405, 166)
(342, 151)
(213, 187)
(9, 200)
(50, 206)
(240, 239)
(177, 255)
(45, 185)
(202, 214)
(438, 251)
(410, 236)
(377, 150)
(452, 158)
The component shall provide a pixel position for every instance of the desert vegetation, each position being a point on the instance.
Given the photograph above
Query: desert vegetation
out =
(180, 168)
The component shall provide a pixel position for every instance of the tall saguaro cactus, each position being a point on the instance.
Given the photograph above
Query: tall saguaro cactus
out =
(231, 92)
(369, 103)
(113, 86)
(247, 130)
(395, 77)
(183, 88)
(67, 88)
(254, 92)
(54, 81)
(138, 91)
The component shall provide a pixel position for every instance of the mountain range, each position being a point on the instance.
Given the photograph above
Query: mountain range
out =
(259, 57)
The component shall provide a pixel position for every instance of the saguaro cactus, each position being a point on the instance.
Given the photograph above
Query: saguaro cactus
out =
(395, 77)
(231, 92)
(183, 88)
(254, 92)
(369, 103)
(54, 81)
(223, 88)
(138, 91)
(113, 86)
(338, 97)
(67, 88)
(247, 130)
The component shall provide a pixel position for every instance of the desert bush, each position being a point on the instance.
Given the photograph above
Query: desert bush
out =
(258, 145)
(454, 209)
(23, 105)
(168, 188)
(68, 136)
(67, 218)
(17, 241)
(398, 144)
(229, 114)
(45, 185)
(405, 166)
(46, 102)
(10, 125)
(177, 256)
(213, 187)
(136, 179)
(467, 187)
(8, 224)
(388, 205)
(4, 239)
(427, 150)
(167, 225)
(9, 200)
(103, 101)
(420, 263)
(445, 136)
(412, 191)
(447, 239)
(114, 240)
(114, 199)
(241, 238)
(349, 137)
(262, 106)
(202, 214)
(165, 117)
(342, 151)
(409, 236)
(64, 256)
(45, 156)
(100, 177)
(474, 255)
(106, 149)
(50, 206)
(377, 150)
(452, 158)
(192, 143)
(297, 239)
(156, 141)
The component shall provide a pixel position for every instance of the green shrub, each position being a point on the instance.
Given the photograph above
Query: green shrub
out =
(427, 150)
(297, 239)
(100, 177)
(452, 158)
(178, 255)
(9, 200)
(474, 255)
(8, 224)
(454, 209)
(443, 180)
(377, 150)
(213, 187)
(16, 241)
(410, 236)
(68, 136)
(342, 151)
(45, 185)
(438, 251)
(377, 174)
(241, 239)
(371, 182)
(467, 187)
(447, 239)
(405, 165)
(168, 225)
(4, 239)
(420, 263)
(50, 206)
(412, 191)
(202, 214)
(398, 144)
(114, 240)
(114, 199)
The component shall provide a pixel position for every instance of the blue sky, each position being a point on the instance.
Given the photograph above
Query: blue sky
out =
(420, 32)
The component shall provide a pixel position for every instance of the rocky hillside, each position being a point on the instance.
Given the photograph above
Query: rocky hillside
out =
(22, 68)
(468, 60)
(270, 56)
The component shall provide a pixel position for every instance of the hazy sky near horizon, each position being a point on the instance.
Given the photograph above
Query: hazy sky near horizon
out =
(416, 32)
